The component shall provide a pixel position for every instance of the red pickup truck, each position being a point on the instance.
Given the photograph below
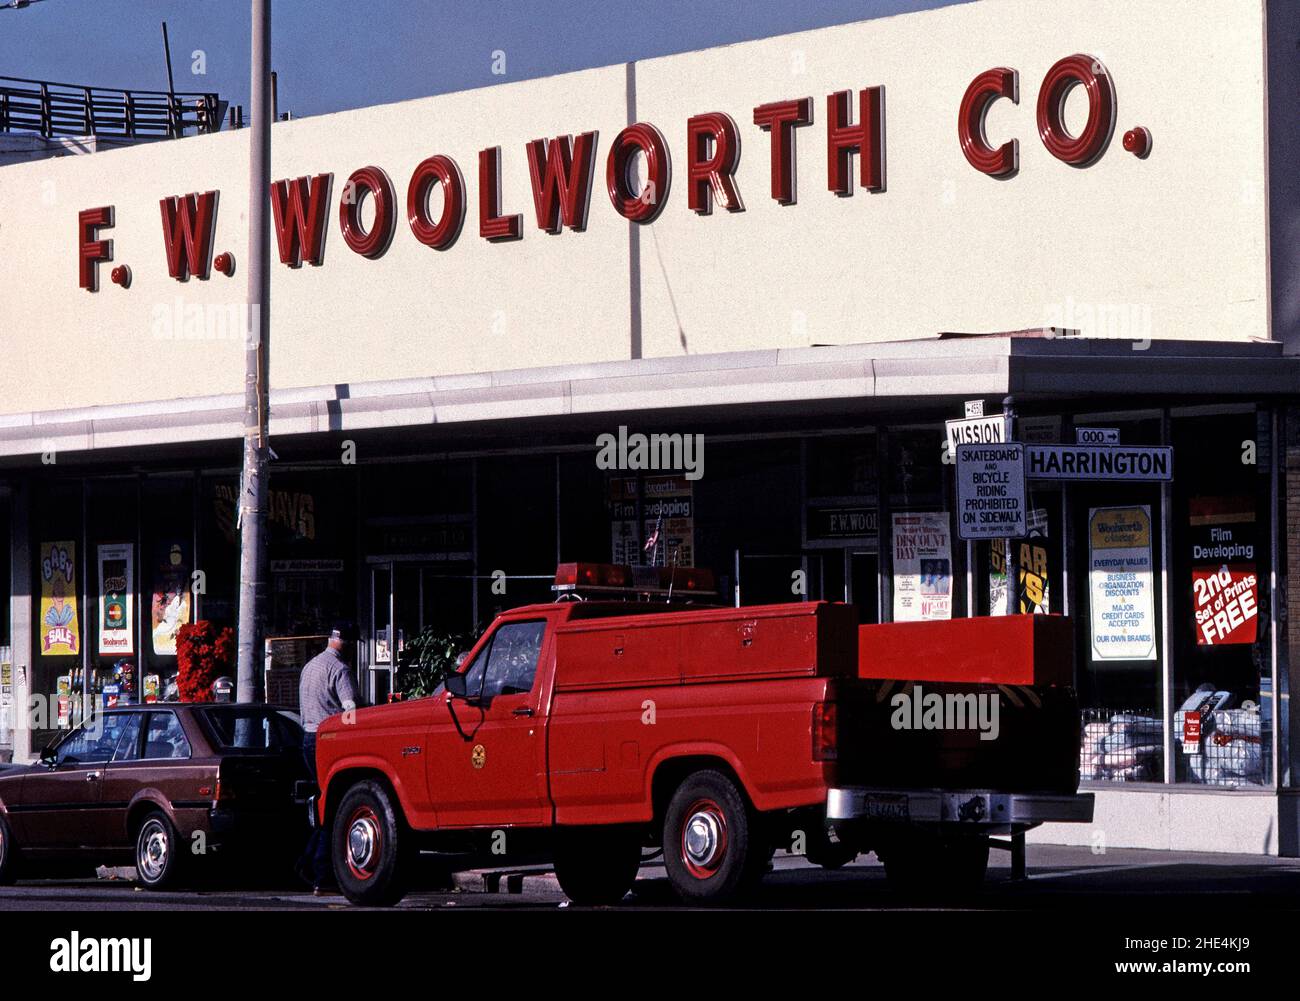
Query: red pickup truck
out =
(586, 731)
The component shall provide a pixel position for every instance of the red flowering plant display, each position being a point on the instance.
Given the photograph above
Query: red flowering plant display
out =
(203, 654)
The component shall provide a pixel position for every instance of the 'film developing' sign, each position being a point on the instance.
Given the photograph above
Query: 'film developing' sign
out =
(991, 491)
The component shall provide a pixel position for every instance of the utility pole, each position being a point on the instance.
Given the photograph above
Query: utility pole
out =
(253, 487)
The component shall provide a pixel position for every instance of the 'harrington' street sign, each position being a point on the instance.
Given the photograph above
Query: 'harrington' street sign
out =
(1134, 463)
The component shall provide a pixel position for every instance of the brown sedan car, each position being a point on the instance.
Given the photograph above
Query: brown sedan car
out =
(164, 785)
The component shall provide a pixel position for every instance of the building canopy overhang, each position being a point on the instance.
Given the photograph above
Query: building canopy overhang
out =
(857, 379)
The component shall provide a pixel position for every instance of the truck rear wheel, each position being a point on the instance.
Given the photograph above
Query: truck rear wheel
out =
(597, 865)
(713, 846)
(368, 846)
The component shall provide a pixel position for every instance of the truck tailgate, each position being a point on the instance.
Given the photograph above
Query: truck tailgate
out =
(934, 735)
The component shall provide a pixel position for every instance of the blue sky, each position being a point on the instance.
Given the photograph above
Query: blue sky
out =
(336, 54)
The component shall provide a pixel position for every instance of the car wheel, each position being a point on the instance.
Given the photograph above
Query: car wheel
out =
(596, 865)
(713, 849)
(368, 845)
(158, 851)
(8, 854)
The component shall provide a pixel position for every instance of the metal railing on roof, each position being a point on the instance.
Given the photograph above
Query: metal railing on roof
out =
(62, 109)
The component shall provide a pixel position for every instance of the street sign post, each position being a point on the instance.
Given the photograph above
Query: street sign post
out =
(991, 491)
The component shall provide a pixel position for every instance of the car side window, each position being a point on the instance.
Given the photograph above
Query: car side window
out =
(165, 738)
(474, 673)
(128, 744)
(94, 742)
(512, 661)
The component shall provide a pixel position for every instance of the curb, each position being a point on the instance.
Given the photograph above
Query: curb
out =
(505, 881)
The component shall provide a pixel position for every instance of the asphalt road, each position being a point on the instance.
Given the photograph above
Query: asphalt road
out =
(1059, 879)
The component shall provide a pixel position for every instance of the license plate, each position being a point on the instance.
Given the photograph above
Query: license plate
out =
(881, 807)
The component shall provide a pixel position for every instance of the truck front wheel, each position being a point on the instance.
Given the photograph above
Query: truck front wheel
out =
(713, 848)
(597, 865)
(368, 846)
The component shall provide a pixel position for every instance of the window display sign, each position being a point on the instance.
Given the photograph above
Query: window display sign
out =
(1120, 582)
(63, 686)
(668, 521)
(170, 608)
(116, 598)
(922, 549)
(60, 634)
(1225, 584)
(1031, 570)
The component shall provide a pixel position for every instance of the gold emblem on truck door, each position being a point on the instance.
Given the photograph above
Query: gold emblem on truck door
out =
(478, 756)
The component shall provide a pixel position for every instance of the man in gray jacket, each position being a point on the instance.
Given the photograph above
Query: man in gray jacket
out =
(325, 690)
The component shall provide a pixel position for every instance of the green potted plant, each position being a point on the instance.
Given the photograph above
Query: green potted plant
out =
(427, 659)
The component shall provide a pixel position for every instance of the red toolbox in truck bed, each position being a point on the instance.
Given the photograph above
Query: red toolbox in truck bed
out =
(1001, 650)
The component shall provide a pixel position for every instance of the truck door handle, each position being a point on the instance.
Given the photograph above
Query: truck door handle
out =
(91, 776)
(523, 711)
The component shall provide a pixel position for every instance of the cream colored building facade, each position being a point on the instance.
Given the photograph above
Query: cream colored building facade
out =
(1163, 289)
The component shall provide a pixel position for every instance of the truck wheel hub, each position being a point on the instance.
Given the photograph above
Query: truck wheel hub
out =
(704, 839)
(363, 839)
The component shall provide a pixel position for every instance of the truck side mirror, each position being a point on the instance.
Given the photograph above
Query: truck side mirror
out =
(460, 657)
(456, 686)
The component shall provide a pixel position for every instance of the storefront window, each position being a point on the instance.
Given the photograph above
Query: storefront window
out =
(1223, 702)
(842, 517)
(166, 568)
(58, 629)
(747, 518)
(516, 524)
(1117, 564)
(112, 601)
(8, 682)
(927, 583)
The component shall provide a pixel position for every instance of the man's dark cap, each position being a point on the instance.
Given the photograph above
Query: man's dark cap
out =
(343, 630)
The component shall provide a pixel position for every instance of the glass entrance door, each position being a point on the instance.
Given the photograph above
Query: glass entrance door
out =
(407, 596)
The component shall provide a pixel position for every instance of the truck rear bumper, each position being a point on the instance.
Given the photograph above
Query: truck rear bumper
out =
(967, 808)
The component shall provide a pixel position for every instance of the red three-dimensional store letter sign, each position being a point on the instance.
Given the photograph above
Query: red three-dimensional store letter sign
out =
(867, 139)
(91, 251)
(781, 118)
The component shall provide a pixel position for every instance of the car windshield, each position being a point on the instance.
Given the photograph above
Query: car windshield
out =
(250, 729)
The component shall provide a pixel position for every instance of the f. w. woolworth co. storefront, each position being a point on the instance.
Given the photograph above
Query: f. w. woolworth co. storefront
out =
(803, 255)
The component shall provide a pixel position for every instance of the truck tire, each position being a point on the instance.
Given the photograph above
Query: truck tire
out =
(713, 846)
(368, 845)
(8, 853)
(820, 850)
(596, 866)
(932, 867)
(159, 852)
